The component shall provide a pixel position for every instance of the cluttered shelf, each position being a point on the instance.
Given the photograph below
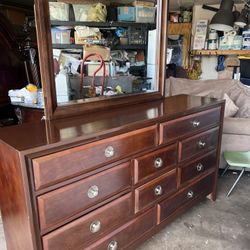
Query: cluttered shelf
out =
(117, 47)
(220, 52)
(103, 24)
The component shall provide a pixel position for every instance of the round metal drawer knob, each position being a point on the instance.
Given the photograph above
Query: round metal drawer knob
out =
(158, 190)
(199, 167)
(201, 144)
(109, 152)
(190, 194)
(113, 245)
(158, 162)
(95, 226)
(93, 192)
(196, 124)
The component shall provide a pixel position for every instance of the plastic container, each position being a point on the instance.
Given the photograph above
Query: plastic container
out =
(59, 11)
(126, 14)
(137, 35)
(60, 36)
(145, 14)
(81, 11)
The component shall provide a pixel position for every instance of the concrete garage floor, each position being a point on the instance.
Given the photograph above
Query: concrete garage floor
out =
(220, 225)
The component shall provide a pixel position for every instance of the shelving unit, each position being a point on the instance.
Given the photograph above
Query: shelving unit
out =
(220, 52)
(118, 47)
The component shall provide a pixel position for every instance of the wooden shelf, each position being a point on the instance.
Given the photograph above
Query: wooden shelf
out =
(118, 47)
(220, 52)
(103, 24)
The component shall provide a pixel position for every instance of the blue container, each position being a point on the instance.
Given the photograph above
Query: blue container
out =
(127, 14)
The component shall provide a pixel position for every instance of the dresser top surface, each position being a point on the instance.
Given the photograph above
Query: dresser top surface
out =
(97, 125)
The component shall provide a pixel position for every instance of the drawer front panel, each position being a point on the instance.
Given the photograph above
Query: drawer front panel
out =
(152, 191)
(169, 206)
(63, 165)
(199, 144)
(189, 124)
(127, 234)
(154, 162)
(198, 167)
(56, 206)
(78, 234)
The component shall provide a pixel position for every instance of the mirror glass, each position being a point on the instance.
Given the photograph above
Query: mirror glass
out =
(103, 49)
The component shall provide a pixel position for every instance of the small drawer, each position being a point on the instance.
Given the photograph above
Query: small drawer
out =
(126, 235)
(147, 165)
(169, 206)
(189, 124)
(56, 206)
(199, 144)
(56, 167)
(198, 167)
(152, 191)
(78, 234)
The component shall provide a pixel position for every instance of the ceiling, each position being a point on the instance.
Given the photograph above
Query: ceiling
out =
(174, 4)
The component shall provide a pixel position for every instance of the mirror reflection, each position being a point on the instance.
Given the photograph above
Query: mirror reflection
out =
(103, 48)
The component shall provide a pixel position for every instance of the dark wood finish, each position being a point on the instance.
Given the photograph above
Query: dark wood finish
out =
(145, 165)
(167, 207)
(65, 164)
(52, 110)
(77, 234)
(25, 114)
(62, 210)
(190, 147)
(145, 195)
(129, 232)
(54, 207)
(197, 167)
(177, 128)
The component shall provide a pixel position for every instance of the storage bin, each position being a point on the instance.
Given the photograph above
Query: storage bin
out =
(145, 14)
(126, 14)
(59, 11)
(137, 35)
(60, 36)
(81, 12)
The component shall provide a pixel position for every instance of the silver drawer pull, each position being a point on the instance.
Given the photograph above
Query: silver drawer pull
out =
(109, 152)
(190, 194)
(158, 190)
(199, 167)
(158, 162)
(196, 124)
(113, 245)
(201, 144)
(95, 226)
(93, 192)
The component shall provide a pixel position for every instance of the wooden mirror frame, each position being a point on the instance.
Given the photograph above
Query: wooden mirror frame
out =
(52, 110)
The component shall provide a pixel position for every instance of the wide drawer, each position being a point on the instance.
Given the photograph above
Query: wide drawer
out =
(152, 191)
(58, 205)
(189, 124)
(56, 167)
(169, 206)
(90, 227)
(198, 167)
(199, 144)
(128, 233)
(150, 164)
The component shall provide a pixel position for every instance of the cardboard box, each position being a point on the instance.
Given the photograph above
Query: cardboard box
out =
(104, 52)
(91, 67)
(84, 40)
(200, 34)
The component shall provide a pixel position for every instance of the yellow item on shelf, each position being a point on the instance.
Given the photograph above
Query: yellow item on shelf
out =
(31, 87)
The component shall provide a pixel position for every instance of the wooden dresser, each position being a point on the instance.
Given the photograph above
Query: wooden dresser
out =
(108, 180)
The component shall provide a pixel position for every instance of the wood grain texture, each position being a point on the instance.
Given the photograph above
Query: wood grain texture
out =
(56, 206)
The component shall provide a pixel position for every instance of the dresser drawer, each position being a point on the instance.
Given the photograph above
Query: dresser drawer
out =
(198, 167)
(189, 124)
(127, 234)
(199, 144)
(90, 227)
(169, 206)
(56, 206)
(56, 167)
(152, 191)
(147, 165)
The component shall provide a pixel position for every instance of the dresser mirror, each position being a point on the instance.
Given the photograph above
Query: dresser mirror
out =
(100, 55)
